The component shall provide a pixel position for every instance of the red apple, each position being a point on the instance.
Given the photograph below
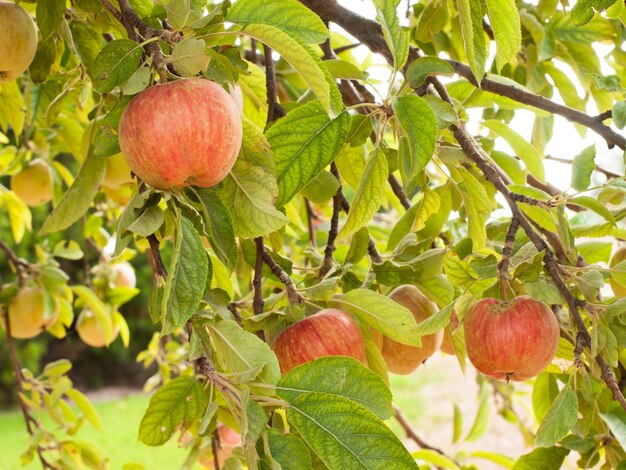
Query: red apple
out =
(447, 346)
(513, 340)
(18, 41)
(403, 358)
(620, 255)
(181, 133)
(330, 332)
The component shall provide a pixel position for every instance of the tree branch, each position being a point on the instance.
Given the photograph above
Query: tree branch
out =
(505, 262)
(327, 262)
(159, 266)
(274, 110)
(257, 283)
(292, 292)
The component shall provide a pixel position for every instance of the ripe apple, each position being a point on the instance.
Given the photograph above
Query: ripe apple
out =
(447, 346)
(402, 358)
(90, 331)
(27, 313)
(513, 340)
(229, 440)
(181, 133)
(33, 184)
(124, 275)
(329, 332)
(18, 41)
(620, 255)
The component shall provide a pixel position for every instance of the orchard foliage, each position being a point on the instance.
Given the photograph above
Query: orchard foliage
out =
(350, 182)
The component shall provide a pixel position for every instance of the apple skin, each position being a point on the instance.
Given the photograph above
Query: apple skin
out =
(329, 332)
(33, 184)
(513, 340)
(18, 41)
(90, 331)
(402, 358)
(181, 133)
(620, 255)
(447, 346)
(124, 275)
(26, 313)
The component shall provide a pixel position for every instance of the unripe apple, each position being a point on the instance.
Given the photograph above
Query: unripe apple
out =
(403, 358)
(124, 275)
(90, 331)
(329, 332)
(18, 41)
(620, 255)
(513, 340)
(33, 184)
(27, 313)
(181, 133)
(121, 195)
(447, 346)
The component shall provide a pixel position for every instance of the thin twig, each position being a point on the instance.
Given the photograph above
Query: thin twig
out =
(292, 292)
(274, 110)
(599, 169)
(257, 282)
(310, 224)
(156, 256)
(327, 262)
(215, 447)
(411, 434)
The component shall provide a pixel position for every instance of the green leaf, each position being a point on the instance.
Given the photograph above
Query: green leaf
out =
(288, 15)
(431, 456)
(550, 458)
(11, 107)
(219, 225)
(559, 420)
(321, 188)
(582, 168)
(505, 22)
(78, 197)
(46, 54)
(595, 205)
(116, 63)
(340, 376)
(617, 426)
(435, 322)
(524, 150)
(189, 57)
(19, 215)
(396, 36)
(471, 17)
(247, 191)
(106, 142)
(87, 408)
(178, 12)
(148, 222)
(187, 276)
(424, 67)
(583, 11)
(369, 193)
(179, 402)
(419, 125)
(239, 351)
(478, 206)
(289, 451)
(101, 311)
(342, 69)
(49, 16)
(304, 60)
(345, 435)
(545, 390)
(482, 415)
(619, 114)
(382, 314)
(304, 142)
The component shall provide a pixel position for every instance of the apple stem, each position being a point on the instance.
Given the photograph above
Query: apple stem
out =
(505, 262)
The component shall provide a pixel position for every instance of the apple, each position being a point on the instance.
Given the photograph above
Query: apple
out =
(513, 340)
(90, 331)
(33, 184)
(27, 313)
(329, 332)
(124, 275)
(18, 41)
(229, 440)
(447, 346)
(620, 255)
(403, 358)
(181, 133)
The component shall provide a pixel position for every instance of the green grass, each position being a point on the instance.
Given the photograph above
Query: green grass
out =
(121, 418)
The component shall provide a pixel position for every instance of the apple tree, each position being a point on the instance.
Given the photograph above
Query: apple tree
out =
(327, 192)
